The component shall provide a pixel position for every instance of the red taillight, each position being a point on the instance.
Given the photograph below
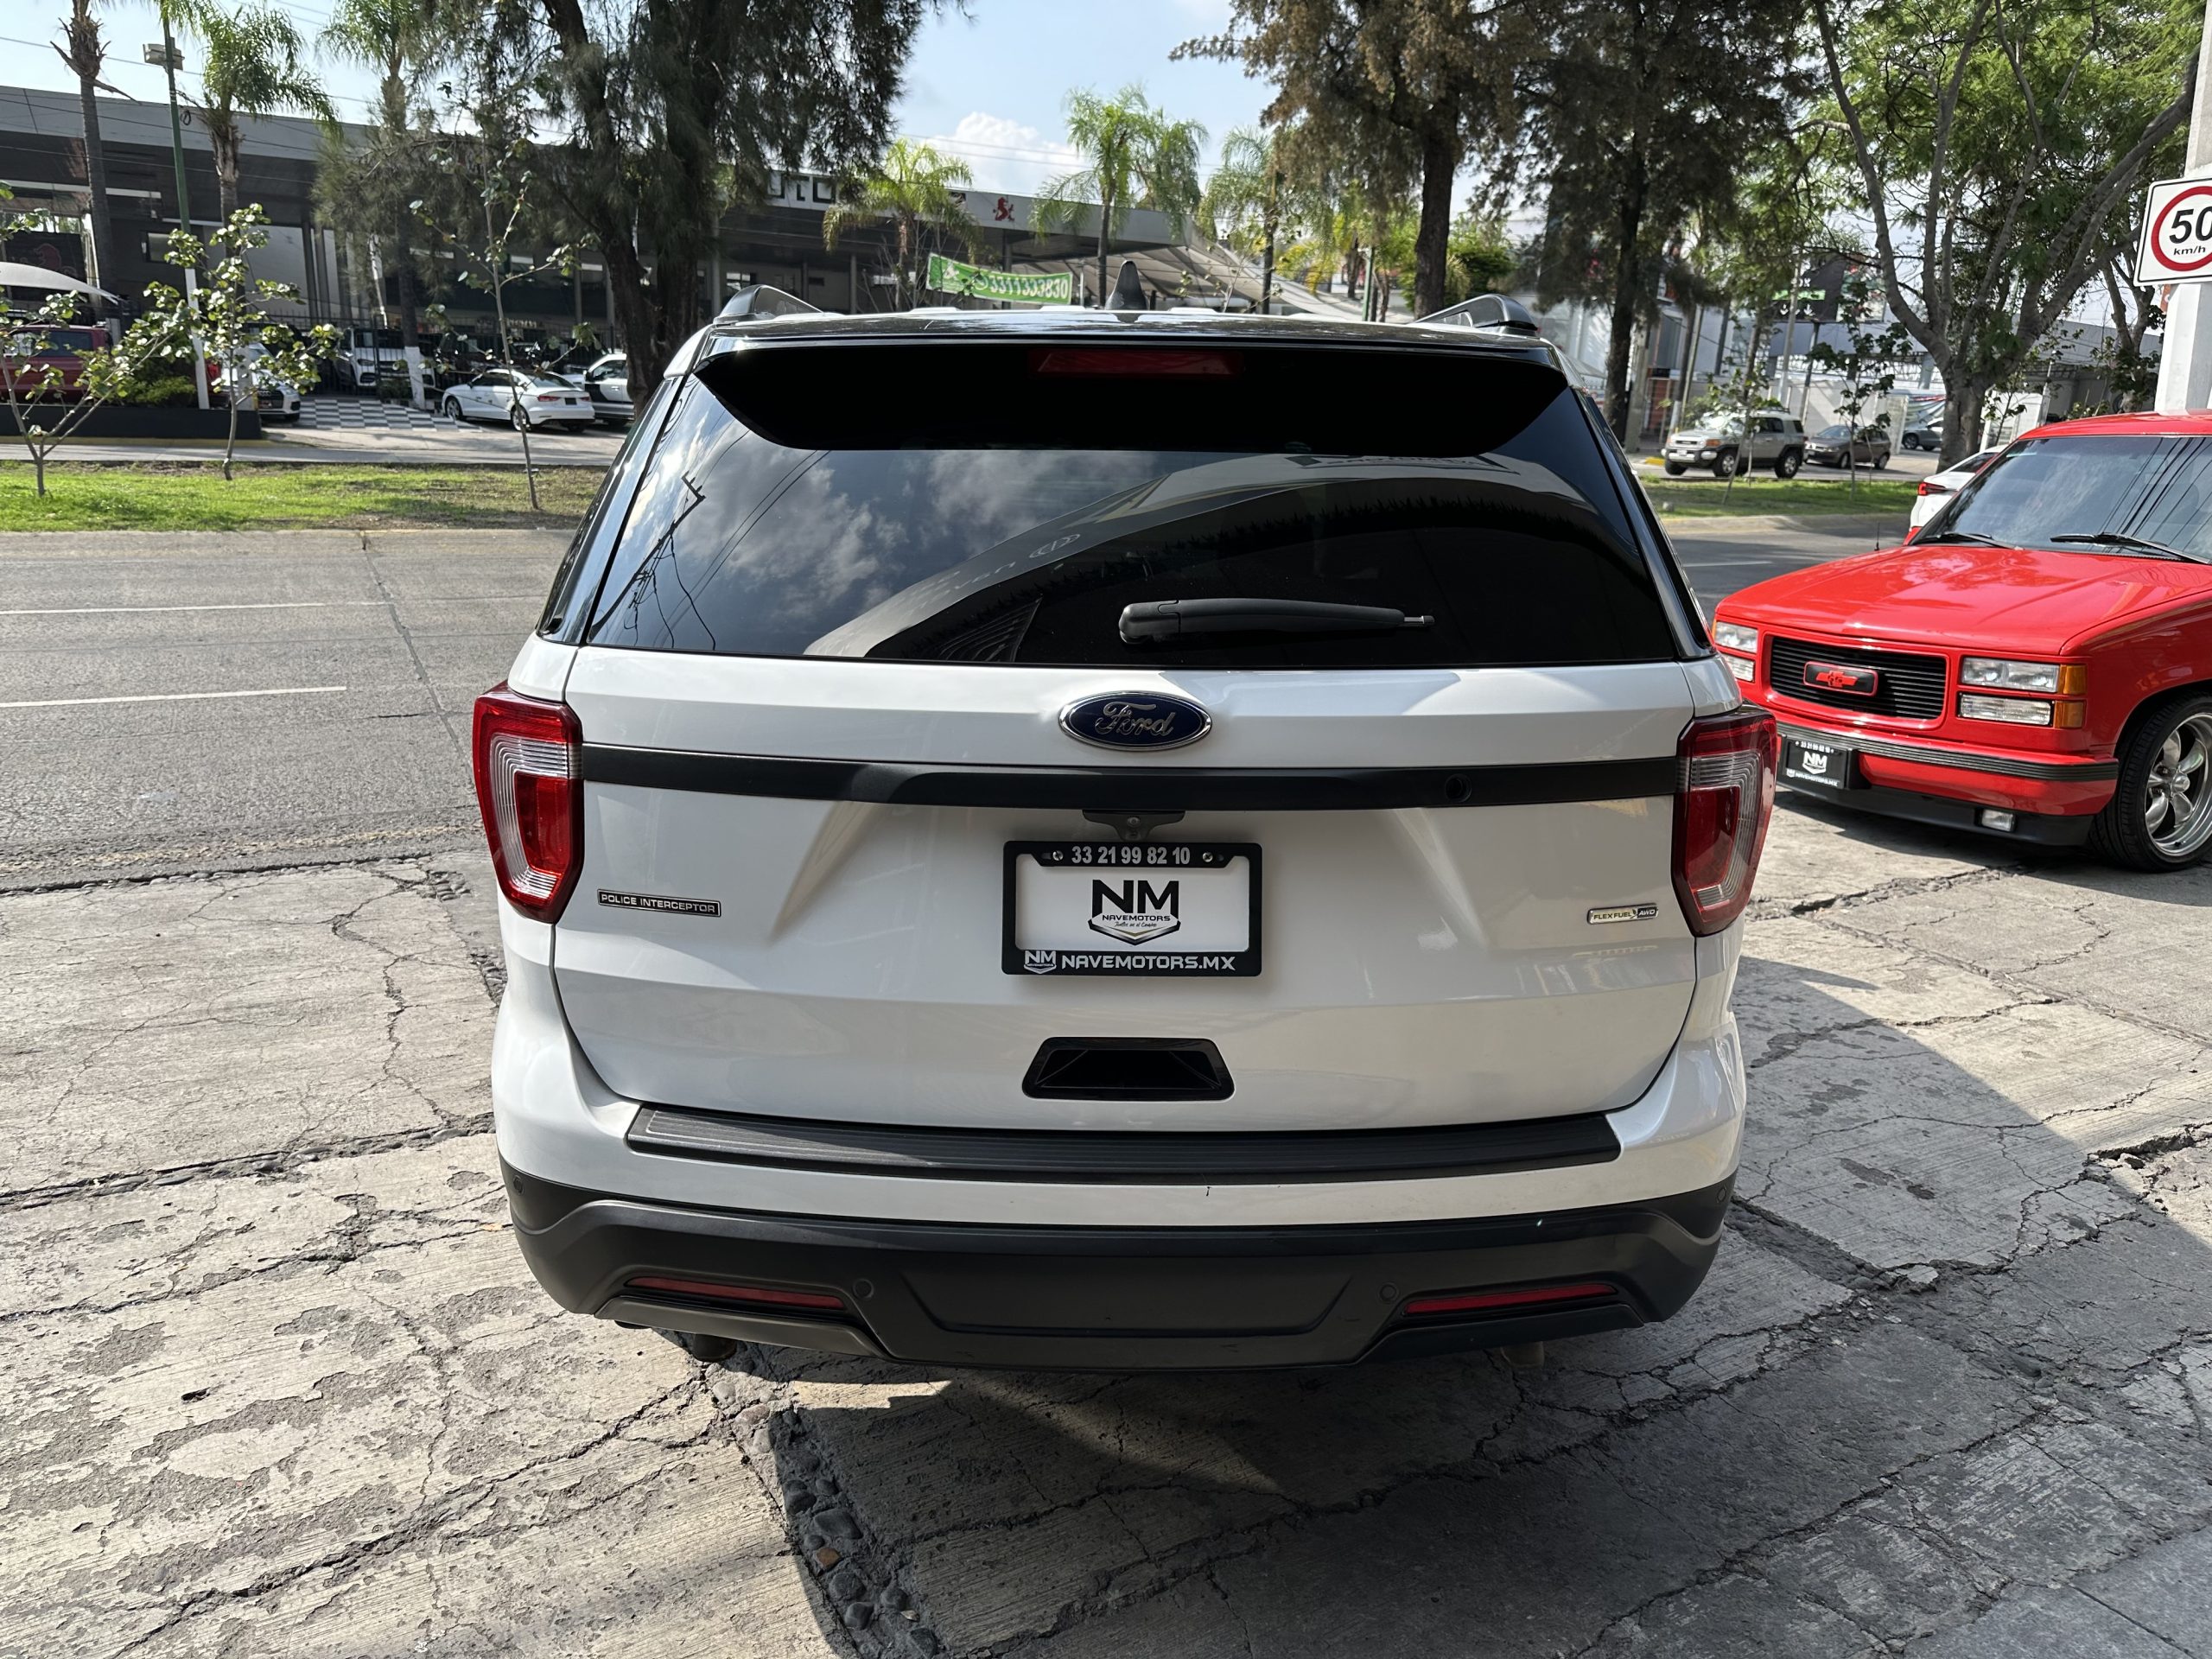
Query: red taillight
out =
(1498, 1301)
(548, 397)
(1130, 362)
(759, 1295)
(1930, 487)
(1721, 807)
(528, 788)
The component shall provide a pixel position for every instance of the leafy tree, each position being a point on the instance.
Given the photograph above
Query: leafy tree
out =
(1640, 112)
(44, 407)
(228, 314)
(918, 190)
(1243, 207)
(1479, 257)
(369, 190)
(84, 48)
(1134, 155)
(1336, 228)
(1867, 364)
(1994, 145)
(252, 67)
(660, 113)
(1391, 91)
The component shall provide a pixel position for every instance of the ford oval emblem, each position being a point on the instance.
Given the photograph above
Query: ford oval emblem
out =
(1137, 720)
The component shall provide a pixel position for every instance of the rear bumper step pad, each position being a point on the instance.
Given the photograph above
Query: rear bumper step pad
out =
(1183, 1156)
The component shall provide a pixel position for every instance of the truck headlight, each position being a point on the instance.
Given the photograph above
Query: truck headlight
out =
(2066, 679)
(1734, 636)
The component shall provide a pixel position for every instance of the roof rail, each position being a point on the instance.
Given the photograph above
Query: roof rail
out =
(759, 299)
(1486, 311)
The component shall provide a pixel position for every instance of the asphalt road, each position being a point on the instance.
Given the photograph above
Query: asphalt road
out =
(276, 1380)
(265, 699)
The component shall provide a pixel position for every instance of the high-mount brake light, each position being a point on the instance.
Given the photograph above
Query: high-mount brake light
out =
(1133, 363)
(531, 796)
(1721, 808)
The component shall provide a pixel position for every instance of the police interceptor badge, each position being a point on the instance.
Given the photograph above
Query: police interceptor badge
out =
(655, 901)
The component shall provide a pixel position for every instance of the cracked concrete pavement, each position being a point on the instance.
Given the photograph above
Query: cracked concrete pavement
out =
(275, 1380)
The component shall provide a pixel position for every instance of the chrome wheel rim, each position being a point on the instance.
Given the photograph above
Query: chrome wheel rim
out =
(2177, 800)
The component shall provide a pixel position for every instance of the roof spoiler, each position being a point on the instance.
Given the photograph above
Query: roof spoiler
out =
(1492, 311)
(759, 299)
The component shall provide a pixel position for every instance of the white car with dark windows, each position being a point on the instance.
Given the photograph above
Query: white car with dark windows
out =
(1104, 840)
(516, 396)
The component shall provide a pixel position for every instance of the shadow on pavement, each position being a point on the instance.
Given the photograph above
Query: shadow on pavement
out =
(1954, 1349)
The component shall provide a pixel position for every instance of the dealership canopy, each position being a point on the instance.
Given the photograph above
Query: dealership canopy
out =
(1038, 288)
(15, 274)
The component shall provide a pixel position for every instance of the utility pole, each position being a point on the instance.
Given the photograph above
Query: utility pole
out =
(169, 58)
(2185, 363)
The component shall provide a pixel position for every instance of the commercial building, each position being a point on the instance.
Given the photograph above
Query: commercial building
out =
(778, 242)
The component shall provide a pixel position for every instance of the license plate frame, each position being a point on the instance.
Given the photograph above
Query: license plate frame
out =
(1840, 770)
(1125, 960)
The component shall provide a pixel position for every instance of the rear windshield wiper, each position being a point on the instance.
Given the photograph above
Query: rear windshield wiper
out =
(1179, 619)
(2133, 543)
(1973, 536)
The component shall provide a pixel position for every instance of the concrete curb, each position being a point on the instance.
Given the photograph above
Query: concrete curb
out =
(1891, 525)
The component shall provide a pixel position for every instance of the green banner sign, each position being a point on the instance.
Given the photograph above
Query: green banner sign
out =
(950, 276)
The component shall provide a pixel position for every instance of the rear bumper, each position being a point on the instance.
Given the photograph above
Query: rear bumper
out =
(1116, 1298)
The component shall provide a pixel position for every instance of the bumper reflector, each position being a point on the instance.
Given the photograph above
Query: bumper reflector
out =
(1498, 1301)
(813, 1301)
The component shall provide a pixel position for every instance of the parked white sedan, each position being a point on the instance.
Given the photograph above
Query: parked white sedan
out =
(1937, 489)
(513, 396)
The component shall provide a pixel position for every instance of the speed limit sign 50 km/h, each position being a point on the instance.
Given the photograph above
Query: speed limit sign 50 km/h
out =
(2177, 234)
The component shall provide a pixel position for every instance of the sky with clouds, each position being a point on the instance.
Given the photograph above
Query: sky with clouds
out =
(989, 82)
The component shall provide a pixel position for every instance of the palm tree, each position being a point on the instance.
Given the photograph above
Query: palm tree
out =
(1338, 225)
(394, 38)
(253, 68)
(917, 189)
(1242, 208)
(1135, 157)
(85, 53)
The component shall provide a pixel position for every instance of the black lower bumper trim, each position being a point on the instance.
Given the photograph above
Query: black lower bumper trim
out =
(1116, 1298)
(2037, 829)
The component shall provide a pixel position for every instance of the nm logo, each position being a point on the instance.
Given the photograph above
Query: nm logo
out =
(1136, 911)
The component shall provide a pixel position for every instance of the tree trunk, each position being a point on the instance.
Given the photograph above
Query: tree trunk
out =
(1962, 423)
(1627, 275)
(1270, 223)
(637, 317)
(1439, 164)
(223, 141)
(1105, 217)
(96, 191)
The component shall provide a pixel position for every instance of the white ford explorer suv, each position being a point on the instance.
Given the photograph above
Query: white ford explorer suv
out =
(1092, 840)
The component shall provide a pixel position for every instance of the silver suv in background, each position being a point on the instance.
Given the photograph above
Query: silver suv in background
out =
(1734, 443)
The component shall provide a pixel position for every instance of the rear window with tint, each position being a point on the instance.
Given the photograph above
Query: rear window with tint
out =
(1054, 504)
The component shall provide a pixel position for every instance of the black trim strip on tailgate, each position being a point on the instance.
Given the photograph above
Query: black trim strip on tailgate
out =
(1189, 789)
(1186, 1157)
